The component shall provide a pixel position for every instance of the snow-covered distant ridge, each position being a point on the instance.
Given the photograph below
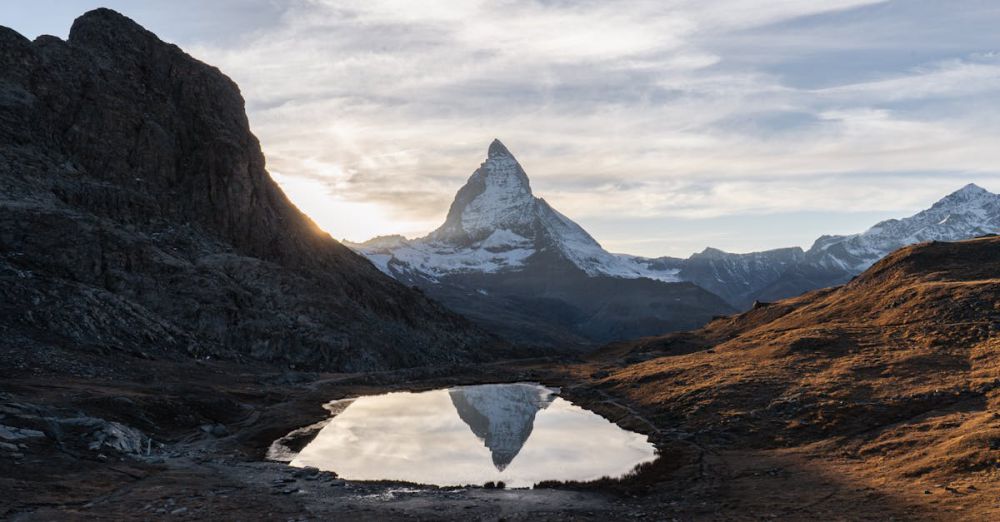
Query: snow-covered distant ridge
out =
(775, 274)
(968, 212)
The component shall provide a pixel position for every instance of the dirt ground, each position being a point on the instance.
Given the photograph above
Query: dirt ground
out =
(191, 472)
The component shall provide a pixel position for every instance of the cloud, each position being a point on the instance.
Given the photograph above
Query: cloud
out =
(651, 110)
(955, 78)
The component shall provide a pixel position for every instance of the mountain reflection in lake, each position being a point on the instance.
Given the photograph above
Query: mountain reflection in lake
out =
(502, 416)
(518, 433)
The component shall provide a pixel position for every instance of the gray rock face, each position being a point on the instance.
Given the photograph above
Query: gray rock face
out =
(738, 278)
(136, 215)
(10, 433)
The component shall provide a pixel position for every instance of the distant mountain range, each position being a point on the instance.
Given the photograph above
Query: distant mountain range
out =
(741, 279)
(510, 261)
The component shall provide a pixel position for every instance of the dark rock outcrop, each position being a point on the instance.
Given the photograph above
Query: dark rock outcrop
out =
(136, 215)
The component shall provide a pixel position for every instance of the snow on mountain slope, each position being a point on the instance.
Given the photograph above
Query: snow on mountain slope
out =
(968, 212)
(501, 250)
(496, 224)
(497, 196)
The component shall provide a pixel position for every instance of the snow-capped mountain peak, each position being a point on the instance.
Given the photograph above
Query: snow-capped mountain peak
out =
(968, 190)
(497, 148)
(496, 196)
(969, 199)
(495, 223)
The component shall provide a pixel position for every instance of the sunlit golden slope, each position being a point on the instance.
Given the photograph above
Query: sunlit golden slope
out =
(897, 371)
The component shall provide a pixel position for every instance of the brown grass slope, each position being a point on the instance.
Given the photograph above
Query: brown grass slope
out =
(897, 371)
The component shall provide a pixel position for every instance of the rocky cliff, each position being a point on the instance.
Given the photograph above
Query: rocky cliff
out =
(136, 216)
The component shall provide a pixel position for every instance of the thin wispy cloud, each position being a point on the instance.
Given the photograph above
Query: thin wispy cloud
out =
(630, 116)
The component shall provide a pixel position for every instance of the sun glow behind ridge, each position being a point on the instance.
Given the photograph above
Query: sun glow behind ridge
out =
(344, 219)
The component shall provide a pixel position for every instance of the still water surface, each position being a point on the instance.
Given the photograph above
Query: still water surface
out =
(518, 433)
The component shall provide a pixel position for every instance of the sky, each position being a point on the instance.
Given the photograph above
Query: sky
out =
(661, 126)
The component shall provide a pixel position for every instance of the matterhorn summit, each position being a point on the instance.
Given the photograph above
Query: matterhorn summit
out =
(495, 223)
(497, 197)
(508, 260)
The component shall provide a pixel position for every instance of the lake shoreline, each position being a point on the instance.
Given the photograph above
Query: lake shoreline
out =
(201, 474)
